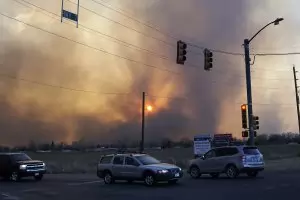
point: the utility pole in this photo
(297, 96)
(249, 91)
(143, 122)
(248, 78)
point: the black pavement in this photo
(268, 186)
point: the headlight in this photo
(23, 166)
(162, 171)
(179, 169)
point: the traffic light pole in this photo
(249, 90)
(143, 122)
(297, 97)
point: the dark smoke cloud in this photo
(32, 112)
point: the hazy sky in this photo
(111, 110)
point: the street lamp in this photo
(248, 78)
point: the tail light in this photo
(243, 158)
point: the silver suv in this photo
(231, 160)
(138, 167)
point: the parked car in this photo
(14, 166)
(231, 160)
(136, 167)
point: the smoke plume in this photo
(39, 71)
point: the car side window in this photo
(106, 159)
(210, 154)
(118, 160)
(131, 161)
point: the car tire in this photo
(195, 172)
(231, 171)
(38, 178)
(108, 178)
(215, 175)
(149, 179)
(15, 176)
(172, 181)
(252, 174)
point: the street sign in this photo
(70, 15)
(202, 144)
(222, 139)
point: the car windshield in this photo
(20, 157)
(147, 160)
(251, 151)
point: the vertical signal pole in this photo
(143, 122)
(77, 13)
(297, 96)
(62, 10)
(249, 91)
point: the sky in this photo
(62, 83)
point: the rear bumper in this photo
(168, 176)
(251, 169)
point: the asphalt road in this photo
(268, 186)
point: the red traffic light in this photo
(244, 107)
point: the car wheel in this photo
(149, 179)
(172, 181)
(215, 175)
(252, 174)
(232, 171)
(15, 176)
(38, 178)
(195, 172)
(108, 179)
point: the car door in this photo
(209, 163)
(117, 166)
(5, 165)
(131, 168)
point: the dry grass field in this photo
(281, 157)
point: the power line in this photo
(112, 93)
(88, 29)
(116, 40)
(164, 33)
(191, 65)
(125, 26)
(83, 44)
(60, 87)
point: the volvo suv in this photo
(231, 160)
(136, 167)
(14, 166)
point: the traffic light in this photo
(244, 115)
(255, 133)
(245, 134)
(181, 52)
(255, 121)
(208, 59)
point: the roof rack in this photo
(123, 151)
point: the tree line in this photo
(262, 139)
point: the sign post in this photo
(69, 15)
(202, 144)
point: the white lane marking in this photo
(84, 183)
(9, 197)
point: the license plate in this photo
(177, 175)
(37, 174)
